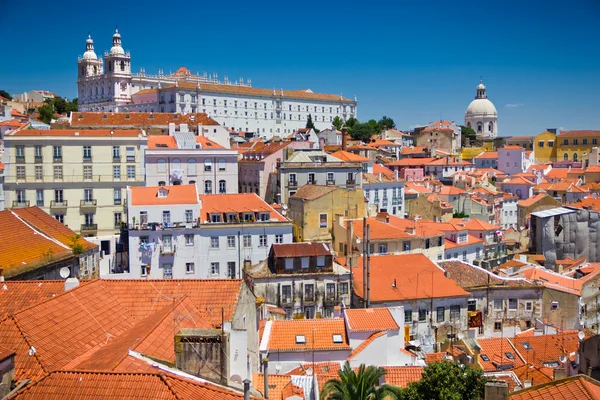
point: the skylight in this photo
(509, 355)
(337, 339)
(527, 346)
(485, 358)
(300, 339)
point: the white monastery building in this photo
(109, 85)
(481, 115)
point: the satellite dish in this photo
(284, 206)
(563, 358)
(581, 335)
(309, 371)
(64, 272)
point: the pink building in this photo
(511, 160)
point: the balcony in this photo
(116, 158)
(38, 159)
(167, 250)
(330, 182)
(87, 159)
(89, 228)
(130, 158)
(20, 204)
(292, 184)
(89, 203)
(329, 299)
(57, 159)
(20, 159)
(308, 298)
(58, 204)
(286, 301)
(350, 182)
(312, 181)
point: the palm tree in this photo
(360, 385)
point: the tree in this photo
(5, 94)
(350, 122)
(360, 385)
(46, 113)
(338, 123)
(447, 381)
(467, 132)
(386, 123)
(374, 126)
(461, 214)
(310, 124)
(362, 131)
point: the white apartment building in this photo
(384, 190)
(316, 167)
(508, 214)
(77, 176)
(183, 158)
(109, 85)
(176, 233)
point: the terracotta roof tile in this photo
(313, 192)
(470, 277)
(402, 376)
(76, 132)
(280, 386)
(301, 249)
(578, 387)
(546, 349)
(17, 295)
(579, 133)
(350, 157)
(488, 155)
(534, 374)
(236, 203)
(411, 162)
(402, 271)
(317, 333)
(552, 280)
(471, 240)
(139, 120)
(498, 351)
(370, 320)
(163, 195)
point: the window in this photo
(407, 316)
(189, 239)
(485, 358)
(39, 173)
(262, 241)
(60, 218)
(117, 196)
(130, 152)
(440, 314)
(309, 292)
(289, 264)
(300, 339)
(498, 304)
(330, 178)
(528, 306)
(406, 245)
(247, 241)
(116, 172)
(39, 197)
(383, 248)
(337, 338)
(565, 157)
(166, 217)
(323, 221)
(541, 144)
(189, 268)
(208, 187)
(472, 305)
(454, 313)
(222, 186)
(38, 153)
(343, 288)
(87, 172)
(305, 261)
(320, 261)
(575, 157)
(575, 142)
(231, 242)
(215, 218)
(207, 165)
(87, 153)
(594, 141)
(88, 195)
(117, 217)
(58, 196)
(214, 268)
(231, 269)
(89, 219)
(161, 166)
(20, 153)
(145, 269)
(58, 172)
(214, 242)
(422, 315)
(189, 216)
(131, 172)
(513, 304)
(57, 151)
(554, 305)
(21, 172)
(498, 326)
(311, 178)
(222, 165)
(279, 238)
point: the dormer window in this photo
(162, 193)
(300, 339)
(215, 218)
(337, 338)
(248, 217)
(289, 264)
(264, 216)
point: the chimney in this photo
(7, 374)
(344, 144)
(247, 263)
(559, 373)
(71, 283)
(496, 390)
(379, 177)
(247, 389)
(396, 174)
(213, 344)
(266, 377)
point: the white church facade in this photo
(481, 115)
(109, 85)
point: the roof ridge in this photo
(163, 378)
(365, 344)
(35, 354)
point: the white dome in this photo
(481, 86)
(117, 51)
(90, 55)
(480, 107)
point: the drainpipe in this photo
(246, 389)
(266, 376)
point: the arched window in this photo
(222, 186)
(95, 70)
(222, 164)
(176, 182)
(122, 65)
(491, 127)
(161, 183)
(176, 163)
(207, 165)
(208, 187)
(192, 182)
(575, 157)
(96, 90)
(191, 167)
(566, 157)
(479, 127)
(160, 165)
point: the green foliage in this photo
(374, 126)
(360, 385)
(461, 214)
(350, 122)
(310, 124)
(76, 244)
(62, 106)
(46, 113)
(362, 131)
(5, 94)
(447, 381)
(467, 132)
(338, 123)
(386, 123)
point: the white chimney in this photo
(396, 174)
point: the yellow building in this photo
(313, 209)
(544, 147)
(574, 145)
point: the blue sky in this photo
(413, 61)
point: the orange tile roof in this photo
(579, 133)
(120, 385)
(408, 150)
(496, 350)
(318, 335)
(76, 132)
(161, 141)
(471, 240)
(350, 157)
(30, 236)
(370, 320)
(402, 376)
(519, 180)
(250, 91)
(236, 203)
(557, 173)
(145, 91)
(411, 162)
(509, 147)
(450, 190)
(552, 280)
(279, 386)
(531, 200)
(11, 122)
(393, 278)
(448, 161)
(383, 170)
(174, 195)
(534, 374)
(384, 143)
(547, 348)
(587, 202)
(17, 295)
(488, 155)
(137, 119)
(473, 224)
(578, 387)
